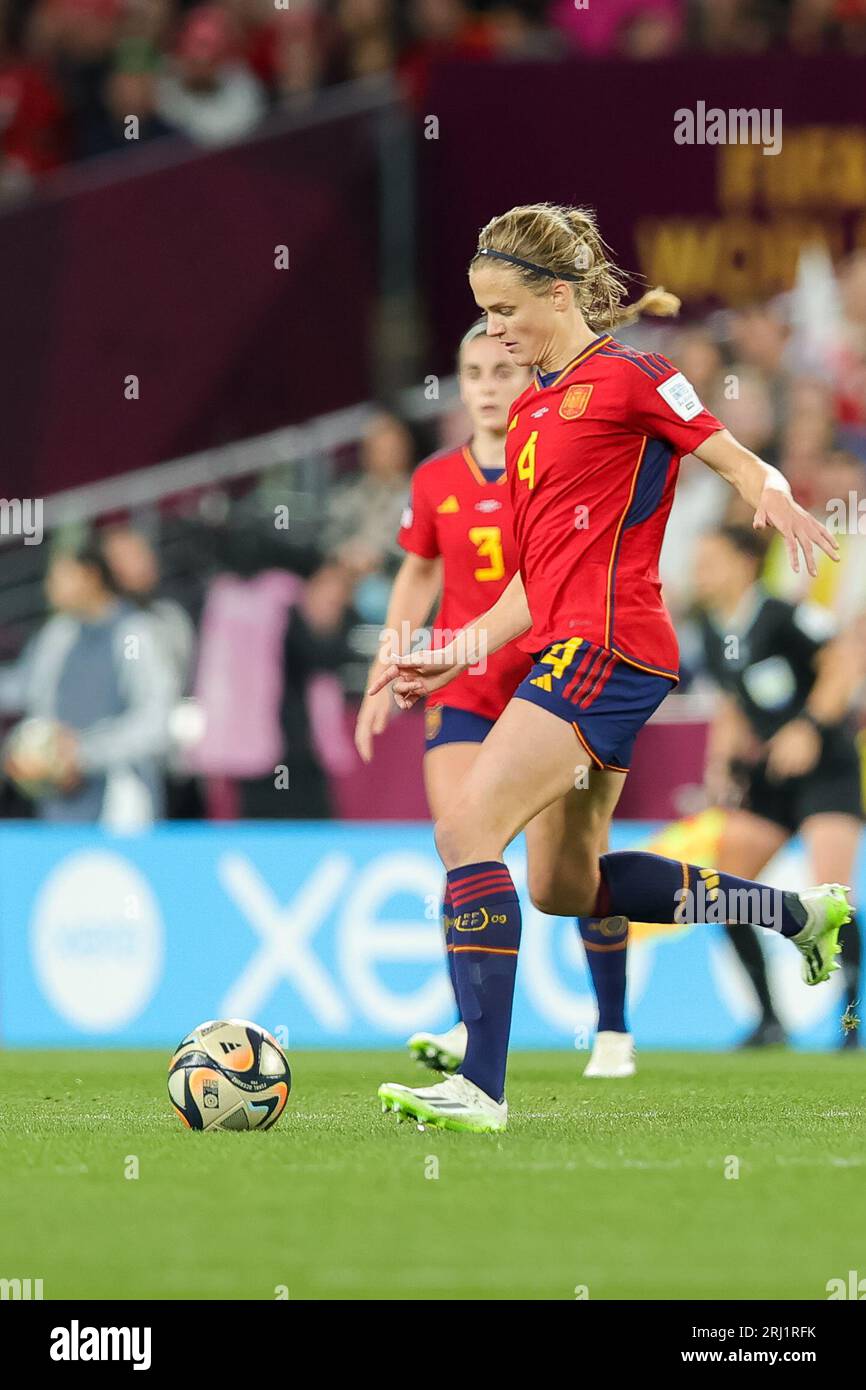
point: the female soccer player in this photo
(782, 750)
(592, 451)
(458, 535)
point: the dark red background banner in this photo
(169, 275)
(602, 133)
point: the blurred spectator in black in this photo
(97, 670)
(78, 37)
(363, 515)
(316, 641)
(31, 118)
(207, 91)
(127, 116)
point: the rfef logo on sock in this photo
(471, 921)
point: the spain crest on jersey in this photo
(575, 401)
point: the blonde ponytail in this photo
(544, 241)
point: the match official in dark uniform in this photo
(781, 754)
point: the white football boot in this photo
(827, 911)
(439, 1051)
(455, 1103)
(612, 1056)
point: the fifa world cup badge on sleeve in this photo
(681, 396)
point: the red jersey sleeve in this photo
(668, 407)
(417, 532)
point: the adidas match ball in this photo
(229, 1075)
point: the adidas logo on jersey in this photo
(449, 505)
(536, 414)
(488, 504)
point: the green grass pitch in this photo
(617, 1187)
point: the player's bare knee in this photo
(559, 897)
(452, 833)
(546, 898)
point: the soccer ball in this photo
(33, 743)
(229, 1075)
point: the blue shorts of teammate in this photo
(445, 725)
(605, 699)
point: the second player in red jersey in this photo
(463, 513)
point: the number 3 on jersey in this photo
(488, 543)
(526, 461)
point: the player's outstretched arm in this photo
(768, 491)
(413, 593)
(419, 674)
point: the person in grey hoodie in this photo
(98, 669)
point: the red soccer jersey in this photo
(454, 512)
(592, 463)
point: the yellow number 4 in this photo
(526, 461)
(561, 655)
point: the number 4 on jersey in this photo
(526, 461)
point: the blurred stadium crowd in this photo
(253, 642)
(273, 642)
(72, 72)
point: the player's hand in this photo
(414, 677)
(793, 751)
(800, 530)
(372, 719)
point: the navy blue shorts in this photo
(445, 725)
(605, 699)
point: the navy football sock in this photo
(485, 937)
(606, 942)
(649, 888)
(447, 914)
